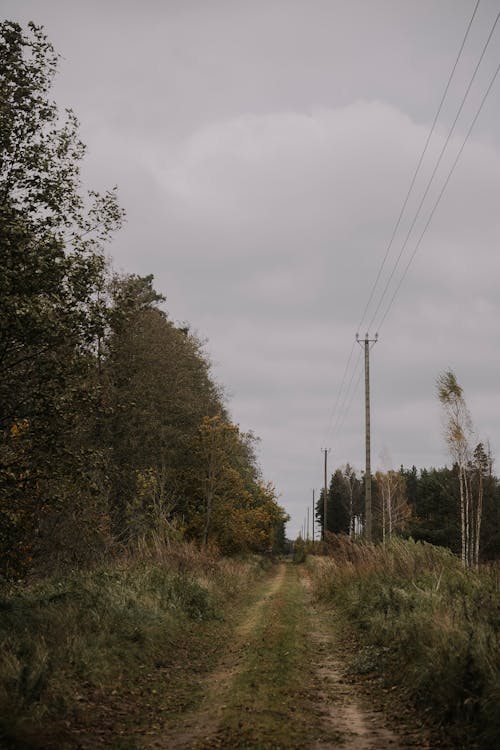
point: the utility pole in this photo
(326, 451)
(313, 520)
(368, 344)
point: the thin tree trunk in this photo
(351, 517)
(462, 517)
(467, 519)
(208, 518)
(209, 496)
(479, 515)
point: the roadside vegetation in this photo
(124, 482)
(112, 426)
(69, 641)
(123, 479)
(426, 624)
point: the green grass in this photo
(99, 630)
(429, 625)
(271, 707)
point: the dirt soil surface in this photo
(282, 680)
(275, 673)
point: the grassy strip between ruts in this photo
(426, 624)
(83, 658)
(271, 706)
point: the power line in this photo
(434, 171)
(417, 169)
(339, 393)
(354, 391)
(342, 405)
(438, 200)
(339, 403)
(347, 393)
(441, 193)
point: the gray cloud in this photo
(262, 150)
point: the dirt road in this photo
(281, 682)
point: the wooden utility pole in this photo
(368, 343)
(326, 451)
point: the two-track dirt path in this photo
(281, 682)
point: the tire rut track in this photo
(202, 723)
(340, 705)
(257, 700)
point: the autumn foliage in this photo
(112, 428)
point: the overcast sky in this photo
(262, 150)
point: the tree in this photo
(458, 434)
(51, 234)
(342, 492)
(394, 508)
(218, 481)
(40, 151)
(433, 495)
(339, 504)
(51, 239)
(239, 511)
(157, 389)
(490, 529)
(353, 487)
(111, 425)
(480, 473)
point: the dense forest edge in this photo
(133, 514)
(421, 504)
(114, 430)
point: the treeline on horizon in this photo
(422, 504)
(113, 429)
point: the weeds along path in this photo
(279, 684)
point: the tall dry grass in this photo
(429, 625)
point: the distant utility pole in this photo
(368, 344)
(326, 451)
(313, 519)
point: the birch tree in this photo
(472, 466)
(395, 509)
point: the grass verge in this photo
(430, 626)
(69, 644)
